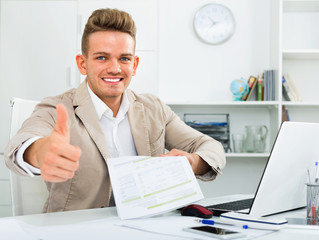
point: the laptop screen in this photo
(282, 186)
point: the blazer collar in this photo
(85, 110)
(138, 123)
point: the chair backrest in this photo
(28, 193)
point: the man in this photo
(69, 138)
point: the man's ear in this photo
(81, 63)
(136, 62)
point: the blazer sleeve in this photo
(40, 123)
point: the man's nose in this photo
(113, 67)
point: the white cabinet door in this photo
(37, 52)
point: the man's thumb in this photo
(61, 125)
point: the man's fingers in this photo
(52, 161)
(60, 163)
(173, 152)
(61, 125)
(58, 168)
(66, 151)
(177, 152)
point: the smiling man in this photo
(109, 64)
(69, 138)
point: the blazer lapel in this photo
(137, 120)
(85, 110)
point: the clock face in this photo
(214, 23)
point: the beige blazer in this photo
(154, 127)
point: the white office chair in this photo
(28, 193)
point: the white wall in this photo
(38, 48)
(190, 70)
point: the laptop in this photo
(282, 186)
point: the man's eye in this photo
(100, 58)
(125, 59)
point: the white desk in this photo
(109, 216)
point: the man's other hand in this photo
(198, 165)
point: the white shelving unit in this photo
(240, 114)
(294, 50)
(300, 56)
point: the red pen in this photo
(314, 213)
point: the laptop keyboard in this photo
(231, 206)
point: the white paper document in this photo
(145, 186)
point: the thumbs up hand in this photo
(61, 127)
(54, 155)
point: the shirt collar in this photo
(101, 108)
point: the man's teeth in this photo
(112, 79)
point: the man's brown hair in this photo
(107, 20)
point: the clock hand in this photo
(212, 21)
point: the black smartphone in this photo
(215, 232)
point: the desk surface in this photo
(78, 218)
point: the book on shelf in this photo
(252, 95)
(265, 86)
(273, 85)
(260, 88)
(269, 85)
(285, 90)
(285, 114)
(289, 87)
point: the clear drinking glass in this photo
(238, 142)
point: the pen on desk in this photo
(213, 222)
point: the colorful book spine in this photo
(260, 89)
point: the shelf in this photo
(300, 5)
(297, 54)
(301, 104)
(228, 104)
(247, 155)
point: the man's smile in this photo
(112, 79)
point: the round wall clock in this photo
(214, 23)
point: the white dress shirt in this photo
(116, 130)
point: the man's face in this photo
(110, 64)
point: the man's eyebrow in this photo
(101, 53)
(107, 54)
(127, 54)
